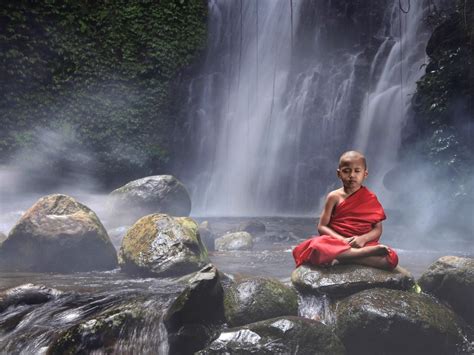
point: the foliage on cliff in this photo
(98, 74)
(444, 102)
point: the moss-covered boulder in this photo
(284, 335)
(255, 299)
(27, 294)
(451, 279)
(102, 332)
(58, 234)
(234, 241)
(196, 315)
(385, 321)
(161, 245)
(343, 280)
(152, 194)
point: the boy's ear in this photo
(338, 172)
(366, 173)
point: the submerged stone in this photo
(253, 227)
(283, 335)
(100, 333)
(58, 234)
(255, 299)
(234, 241)
(161, 245)
(343, 280)
(451, 279)
(27, 294)
(152, 194)
(397, 322)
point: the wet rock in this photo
(255, 299)
(234, 241)
(3, 237)
(343, 280)
(207, 235)
(58, 234)
(195, 316)
(160, 245)
(27, 294)
(253, 227)
(284, 335)
(101, 332)
(396, 322)
(152, 194)
(451, 279)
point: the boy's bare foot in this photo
(381, 250)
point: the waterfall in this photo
(387, 107)
(280, 94)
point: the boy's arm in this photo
(359, 241)
(323, 227)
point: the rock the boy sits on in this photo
(350, 225)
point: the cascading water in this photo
(257, 120)
(285, 88)
(387, 107)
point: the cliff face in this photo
(444, 101)
(86, 85)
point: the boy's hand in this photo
(357, 241)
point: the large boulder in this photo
(451, 279)
(58, 234)
(152, 194)
(284, 335)
(343, 280)
(197, 314)
(161, 245)
(397, 322)
(255, 299)
(234, 241)
(3, 237)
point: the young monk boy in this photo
(350, 225)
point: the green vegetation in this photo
(99, 74)
(444, 102)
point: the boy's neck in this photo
(349, 191)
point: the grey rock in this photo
(397, 322)
(253, 227)
(451, 279)
(283, 335)
(234, 241)
(343, 280)
(152, 194)
(196, 315)
(27, 294)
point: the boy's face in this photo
(352, 172)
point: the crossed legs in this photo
(374, 256)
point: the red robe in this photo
(356, 215)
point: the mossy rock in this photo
(255, 299)
(152, 194)
(101, 332)
(343, 280)
(161, 245)
(58, 234)
(283, 335)
(385, 321)
(451, 279)
(234, 241)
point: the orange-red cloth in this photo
(356, 215)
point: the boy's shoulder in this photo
(336, 195)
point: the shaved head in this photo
(352, 155)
